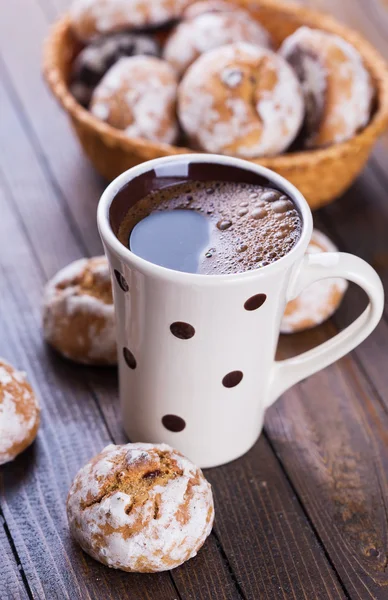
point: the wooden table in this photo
(304, 514)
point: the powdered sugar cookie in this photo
(336, 84)
(138, 95)
(320, 300)
(90, 18)
(140, 507)
(210, 29)
(240, 99)
(78, 312)
(19, 412)
(95, 59)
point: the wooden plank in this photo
(48, 127)
(267, 537)
(11, 583)
(331, 435)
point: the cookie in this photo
(91, 18)
(242, 100)
(19, 412)
(95, 59)
(209, 29)
(78, 312)
(320, 300)
(337, 87)
(138, 96)
(140, 507)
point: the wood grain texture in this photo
(11, 583)
(268, 541)
(338, 433)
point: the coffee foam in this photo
(251, 226)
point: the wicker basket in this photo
(321, 175)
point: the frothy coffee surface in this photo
(212, 228)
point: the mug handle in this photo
(325, 265)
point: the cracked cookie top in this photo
(240, 99)
(140, 507)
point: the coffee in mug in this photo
(212, 227)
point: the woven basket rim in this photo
(113, 137)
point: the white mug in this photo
(205, 392)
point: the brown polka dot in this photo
(254, 302)
(232, 379)
(173, 423)
(129, 358)
(121, 281)
(183, 331)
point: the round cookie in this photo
(91, 18)
(210, 29)
(78, 312)
(336, 85)
(140, 507)
(138, 96)
(95, 59)
(240, 99)
(19, 412)
(320, 300)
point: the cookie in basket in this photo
(320, 300)
(91, 18)
(140, 507)
(241, 99)
(95, 59)
(78, 312)
(138, 96)
(19, 412)
(337, 87)
(209, 29)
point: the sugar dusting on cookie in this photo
(19, 412)
(137, 95)
(211, 30)
(217, 115)
(140, 507)
(78, 312)
(336, 84)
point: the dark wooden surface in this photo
(304, 514)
